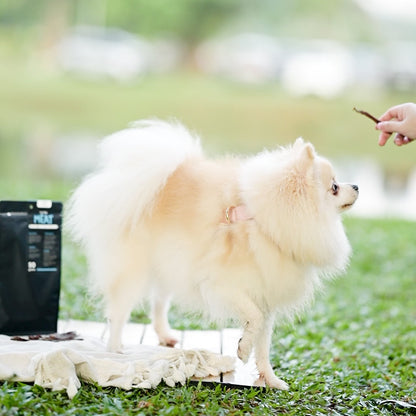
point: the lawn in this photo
(352, 352)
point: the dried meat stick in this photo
(364, 113)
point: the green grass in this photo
(352, 350)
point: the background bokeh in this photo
(243, 74)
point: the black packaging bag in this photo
(30, 266)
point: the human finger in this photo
(400, 140)
(391, 113)
(383, 137)
(407, 140)
(389, 126)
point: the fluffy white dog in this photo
(242, 238)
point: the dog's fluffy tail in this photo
(134, 165)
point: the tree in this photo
(188, 20)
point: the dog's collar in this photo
(237, 213)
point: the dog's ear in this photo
(301, 146)
(306, 153)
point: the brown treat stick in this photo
(19, 338)
(67, 336)
(364, 113)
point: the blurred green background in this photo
(243, 74)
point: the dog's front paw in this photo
(274, 382)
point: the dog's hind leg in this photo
(116, 323)
(160, 308)
(119, 304)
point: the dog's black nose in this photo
(355, 187)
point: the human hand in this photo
(400, 119)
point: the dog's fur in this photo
(151, 219)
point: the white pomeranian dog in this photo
(241, 238)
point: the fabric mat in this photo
(61, 365)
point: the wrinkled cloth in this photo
(61, 366)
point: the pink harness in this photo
(237, 213)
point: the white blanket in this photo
(61, 365)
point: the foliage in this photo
(189, 20)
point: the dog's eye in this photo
(335, 188)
